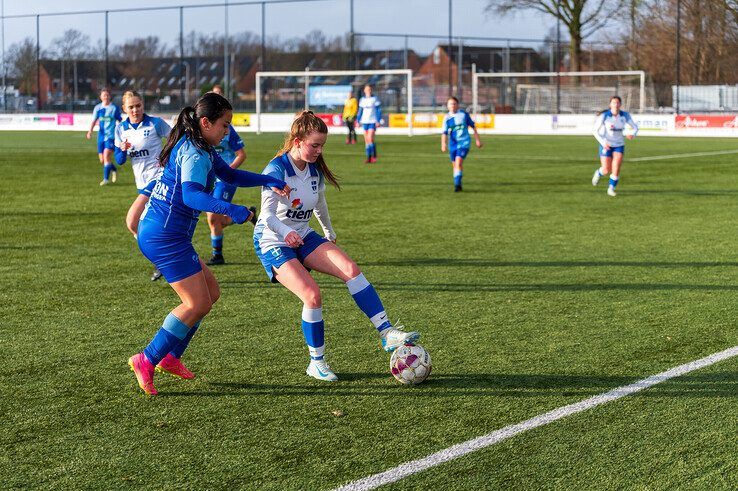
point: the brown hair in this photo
(127, 95)
(211, 106)
(452, 98)
(305, 123)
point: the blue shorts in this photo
(224, 191)
(608, 153)
(105, 144)
(370, 126)
(458, 152)
(274, 258)
(171, 252)
(146, 191)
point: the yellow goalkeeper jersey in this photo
(350, 108)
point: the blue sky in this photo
(285, 20)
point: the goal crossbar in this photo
(476, 76)
(307, 74)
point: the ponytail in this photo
(305, 123)
(211, 106)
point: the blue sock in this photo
(107, 169)
(614, 181)
(217, 242)
(313, 328)
(179, 350)
(169, 335)
(374, 149)
(368, 150)
(457, 177)
(368, 301)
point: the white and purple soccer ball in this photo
(410, 364)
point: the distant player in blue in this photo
(608, 130)
(231, 150)
(168, 223)
(138, 139)
(106, 115)
(289, 248)
(456, 126)
(370, 118)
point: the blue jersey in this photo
(456, 126)
(106, 117)
(187, 163)
(229, 145)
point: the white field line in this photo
(681, 155)
(458, 450)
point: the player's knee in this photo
(214, 294)
(351, 270)
(201, 307)
(311, 297)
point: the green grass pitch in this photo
(532, 290)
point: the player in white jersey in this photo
(608, 130)
(370, 118)
(288, 248)
(139, 138)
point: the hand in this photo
(479, 143)
(293, 239)
(239, 214)
(443, 148)
(607, 147)
(285, 192)
(381, 122)
(126, 145)
(630, 137)
(89, 134)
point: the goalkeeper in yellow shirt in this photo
(350, 109)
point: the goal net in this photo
(324, 92)
(556, 92)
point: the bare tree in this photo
(72, 45)
(581, 18)
(22, 58)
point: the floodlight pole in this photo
(38, 64)
(107, 57)
(351, 35)
(678, 45)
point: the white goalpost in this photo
(552, 92)
(327, 78)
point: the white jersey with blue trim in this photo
(608, 128)
(279, 216)
(368, 110)
(145, 139)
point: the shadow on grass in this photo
(488, 263)
(477, 385)
(511, 287)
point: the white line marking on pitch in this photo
(681, 155)
(458, 450)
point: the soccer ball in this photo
(410, 364)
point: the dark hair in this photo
(611, 98)
(452, 98)
(305, 123)
(211, 106)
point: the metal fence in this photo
(59, 75)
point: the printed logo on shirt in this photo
(297, 204)
(138, 153)
(160, 191)
(314, 184)
(297, 213)
(146, 132)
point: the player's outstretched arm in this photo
(194, 196)
(242, 178)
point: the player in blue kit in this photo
(106, 114)
(139, 138)
(370, 117)
(456, 126)
(168, 223)
(231, 150)
(608, 130)
(288, 248)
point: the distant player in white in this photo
(608, 130)
(288, 248)
(370, 118)
(139, 138)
